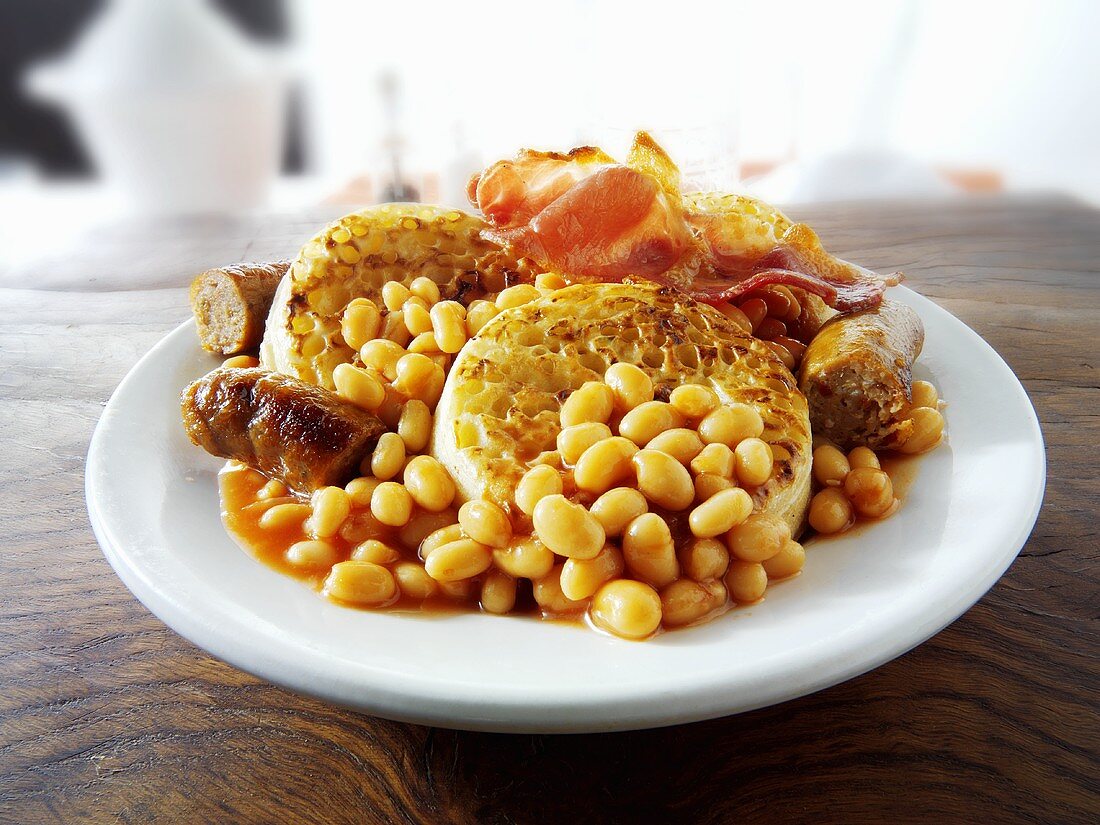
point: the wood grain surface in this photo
(108, 716)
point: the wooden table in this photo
(106, 715)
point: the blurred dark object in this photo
(398, 188)
(31, 30)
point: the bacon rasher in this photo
(589, 218)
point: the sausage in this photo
(230, 305)
(857, 375)
(300, 433)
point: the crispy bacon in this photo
(615, 223)
(512, 192)
(587, 217)
(797, 259)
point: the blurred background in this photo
(118, 112)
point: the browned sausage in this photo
(857, 375)
(285, 428)
(230, 305)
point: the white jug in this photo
(177, 109)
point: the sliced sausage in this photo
(857, 375)
(230, 305)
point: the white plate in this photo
(862, 599)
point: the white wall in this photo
(1010, 85)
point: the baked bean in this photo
(462, 559)
(360, 489)
(663, 479)
(681, 443)
(870, 491)
(573, 441)
(604, 464)
(416, 315)
(423, 524)
(730, 424)
(391, 504)
(627, 608)
(429, 483)
(498, 592)
(830, 466)
(592, 401)
(415, 425)
(331, 506)
(758, 537)
(391, 408)
(449, 325)
(517, 296)
(778, 303)
(238, 362)
(282, 516)
(536, 484)
(360, 582)
(360, 526)
(311, 554)
(685, 601)
(795, 347)
(715, 458)
(484, 521)
(375, 551)
(786, 562)
(567, 528)
(525, 558)
(735, 314)
(794, 308)
(360, 323)
(549, 596)
(551, 458)
(394, 294)
(616, 508)
(479, 314)
(781, 352)
(704, 559)
(382, 355)
(754, 461)
(580, 578)
(358, 386)
(648, 550)
(414, 580)
(746, 581)
(925, 395)
(416, 373)
(425, 344)
(630, 385)
(693, 400)
(394, 328)
(720, 513)
(462, 590)
(710, 484)
(927, 431)
(549, 282)
(830, 511)
(272, 489)
(770, 328)
(439, 537)
(646, 421)
(863, 457)
(425, 289)
(388, 457)
(755, 310)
